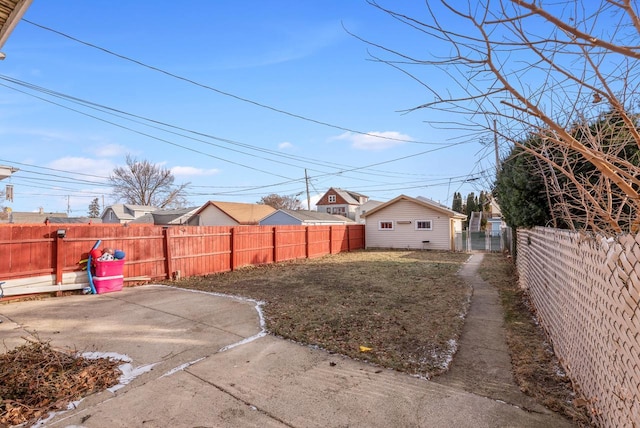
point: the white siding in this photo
(405, 235)
(212, 216)
(110, 216)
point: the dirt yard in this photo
(405, 308)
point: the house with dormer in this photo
(125, 213)
(167, 217)
(341, 202)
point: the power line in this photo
(145, 134)
(345, 169)
(110, 110)
(340, 169)
(221, 92)
(51, 169)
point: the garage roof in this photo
(10, 13)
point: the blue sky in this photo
(235, 97)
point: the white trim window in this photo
(385, 225)
(332, 199)
(424, 225)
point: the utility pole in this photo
(68, 204)
(306, 181)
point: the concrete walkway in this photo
(203, 360)
(482, 364)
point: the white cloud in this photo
(374, 140)
(109, 150)
(191, 171)
(98, 167)
(285, 145)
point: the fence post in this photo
(306, 242)
(275, 244)
(234, 259)
(330, 239)
(60, 258)
(168, 264)
(348, 239)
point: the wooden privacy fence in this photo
(36, 258)
(586, 291)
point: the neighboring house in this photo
(495, 223)
(72, 220)
(341, 202)
(362, 209)
(124, 213)
(171, 217)
(215, 213)
(40, 217)
(303, 218)
(412, 223)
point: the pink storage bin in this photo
(109, 267)
(108, 284)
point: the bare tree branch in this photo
(144, 183)
(542, 69)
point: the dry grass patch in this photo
(536, 369)
(407, 306)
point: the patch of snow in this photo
(448, 356)
(421, 376)
(244, 341)
(182, 367)
(43, 422)
(129, 373)
(114, 356)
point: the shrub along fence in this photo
(586, 291)
(46, 258)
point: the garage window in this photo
(423, 225)
(385, 225)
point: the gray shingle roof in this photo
(31, 218)
(73, 220)
(305, 215)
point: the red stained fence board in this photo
(164, 252)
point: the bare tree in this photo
(528, 68)
(281, 201)
(144, 183)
